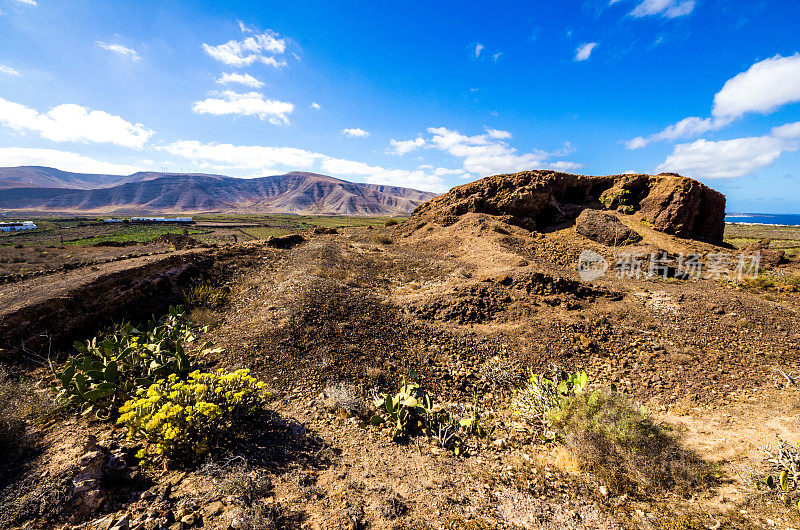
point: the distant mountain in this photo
(48, 177)
(296, 192)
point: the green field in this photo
(86, 231)
(782, 237)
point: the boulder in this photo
(768, 257)
(292, 240)
(537, 199)
(604, 228)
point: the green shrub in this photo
(181, 420)
(105, 373)
(612, 199)
(206, 296)
(541, 396)
(623, 447)
(391, 222)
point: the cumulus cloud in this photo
(247, 104)
(316, 106)
(7, 70)
(119, 49)
(32, 3)
(355, 133)
(584, 51)
(73, 123)
(241, 79)
(261, 47)
(732, 158)
(664, 8)
(764, 87)
(488, 154)
(403, 147)
(250, 157)
(24, 156)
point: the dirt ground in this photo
(365, 307)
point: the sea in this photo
(764, 219)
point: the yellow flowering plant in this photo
(182, 419)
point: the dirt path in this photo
(14, 296)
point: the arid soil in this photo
(447, 298)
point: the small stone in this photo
(603, 491)
(189, 519)
(123, 523)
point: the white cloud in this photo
(584, 51)
(764, 87)
(732, 158)
(496, 56)
(257, 48)
(788, 131)
(254, 160)
(316, 106)
(665, 8)
(487, 154)
(250, 157)
(378, 175)
(478, 49)
(498, 134)
(355, 133)
(403, 147)
(241, 79)
(32, 3)
(247, 104)
(23, 156)
(8, 70)
(686, 128)
(73, 123)
(119, 49)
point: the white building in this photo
(12, 227)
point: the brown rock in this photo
(604, 228)
(535, 199)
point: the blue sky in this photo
(421, 94)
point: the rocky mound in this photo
(604, 228)
(537, 199)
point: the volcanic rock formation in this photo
(537, 199)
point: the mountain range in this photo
(52, 190)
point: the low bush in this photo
(108, 370)
(541, 397)
(344, 398)
(391, 222)
(179, 421)
(383, 240)
(623, 447)
(206, 296)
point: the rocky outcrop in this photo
(604, 228)
(534, 199)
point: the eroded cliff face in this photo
(537, 199)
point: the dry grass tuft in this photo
(624, 448)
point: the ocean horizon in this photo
(763, 219)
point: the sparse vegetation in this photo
(391, 222)
(345, 399)
(205, 296)
(623, 447)
(541, 397)
(181, 420)
(21, 402)
(108, 370)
